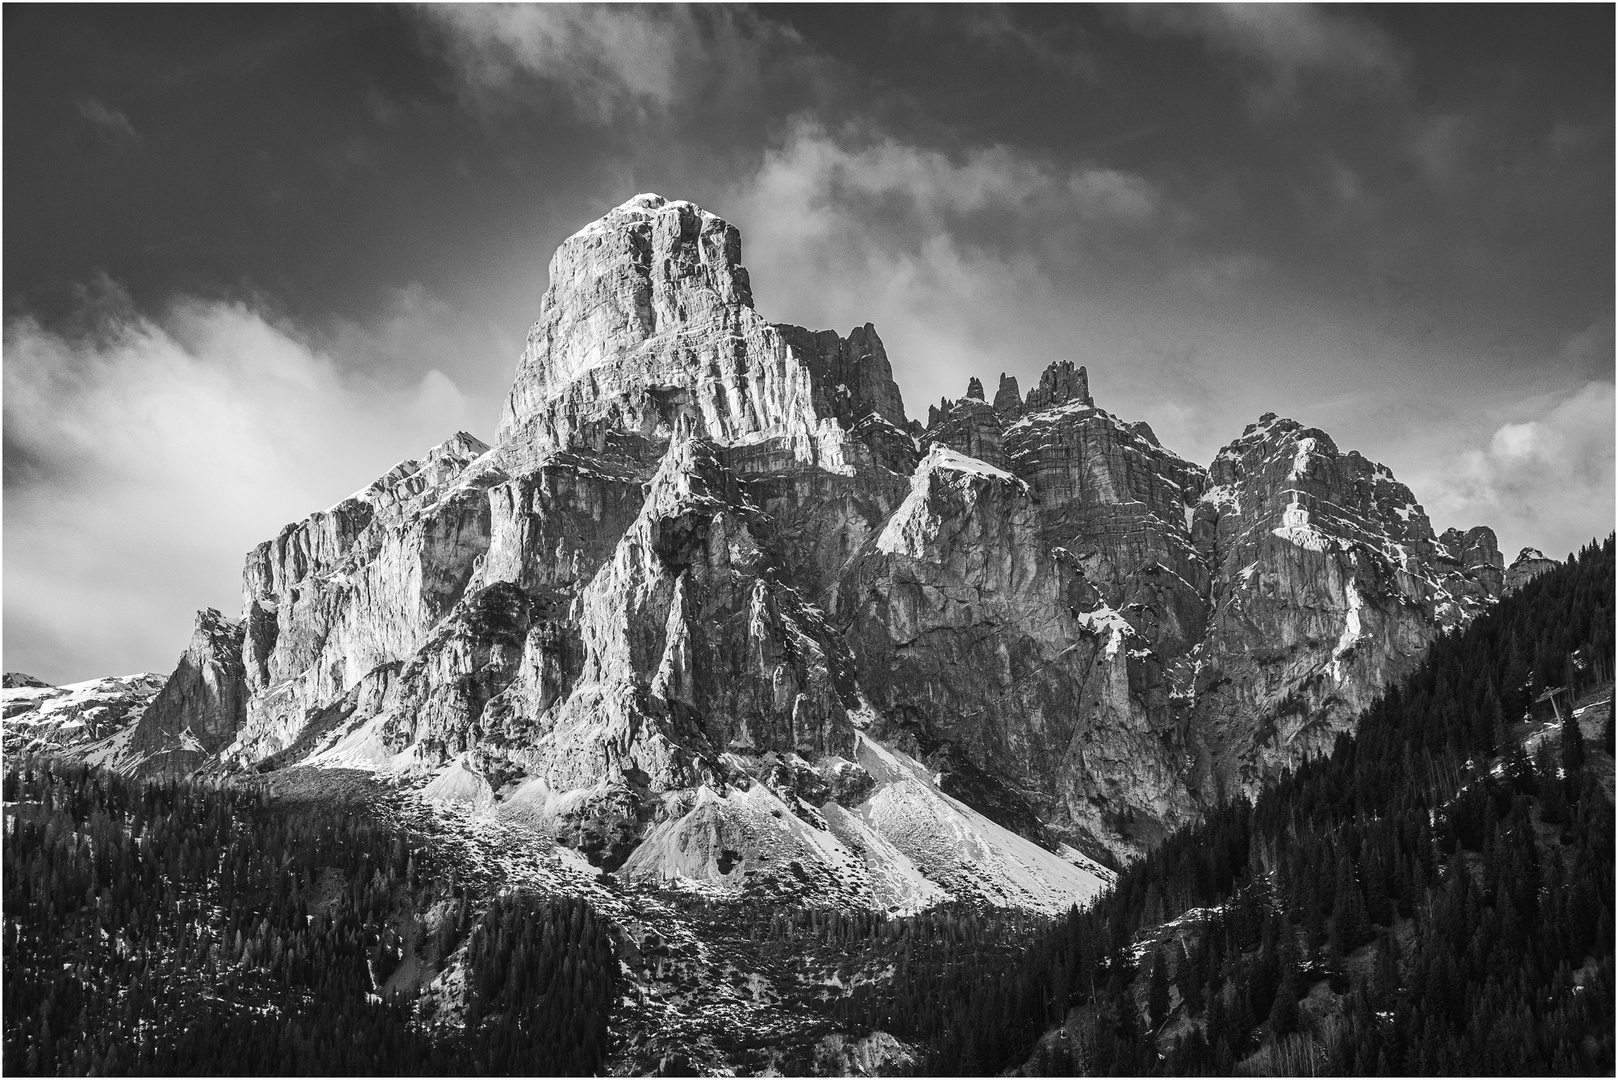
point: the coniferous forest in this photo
(1431, 898)
(180, 928)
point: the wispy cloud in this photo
(1282, 47)
(610, 62)
(109, 123)
(1061, 51)
(146, 455)
(955, 256)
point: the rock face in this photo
(200, 708)
(1327, 583)
(714, 607)
(649, 319)
(17, 680)
(1529, 564)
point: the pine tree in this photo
(1284, 1012)
(1572, 745)
(1157, 996)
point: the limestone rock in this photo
(359, 585)
(649, 319)
(1478, 554)
(966, 629)
(969, 426)
(1061, 383)
(1119, 504)
(200, 708)
(1529, 564)
(1008, 399)
(1327, 584)
(18, 680)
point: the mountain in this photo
(76, 718)
(714, 608)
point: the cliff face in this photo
(649, 320)
(1529, 564)
(714, 607)
(200, 708)
(1327, 583)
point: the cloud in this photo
(1280, 47)
(819, 185)
(110, 124)
(1061, 50)
(1544, 480)
(146, 455)
(976, 262)
(613, 62)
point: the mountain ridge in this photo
(712, 553)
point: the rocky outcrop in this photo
(1118, 503)
(1529, 564)
(359, 585)
(1327, 583)
(1476, 554)
(17, 680)
(200, 708)
(649, 319)
(1060, 384)
(968, 632)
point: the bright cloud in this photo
(969, 263)
(146, 455)
(1543, 481)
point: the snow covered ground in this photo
(51, 718)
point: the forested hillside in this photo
(1428, 899)
(177, 928)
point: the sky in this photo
(255, 255)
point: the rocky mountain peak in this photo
(1007, 398)
(16, 679)
(1060, 383)
(649, 318)
(1529, 564)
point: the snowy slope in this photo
(69, 718)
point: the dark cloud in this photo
(1393, 222)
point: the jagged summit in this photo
(649, 317)
(1529, 564)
